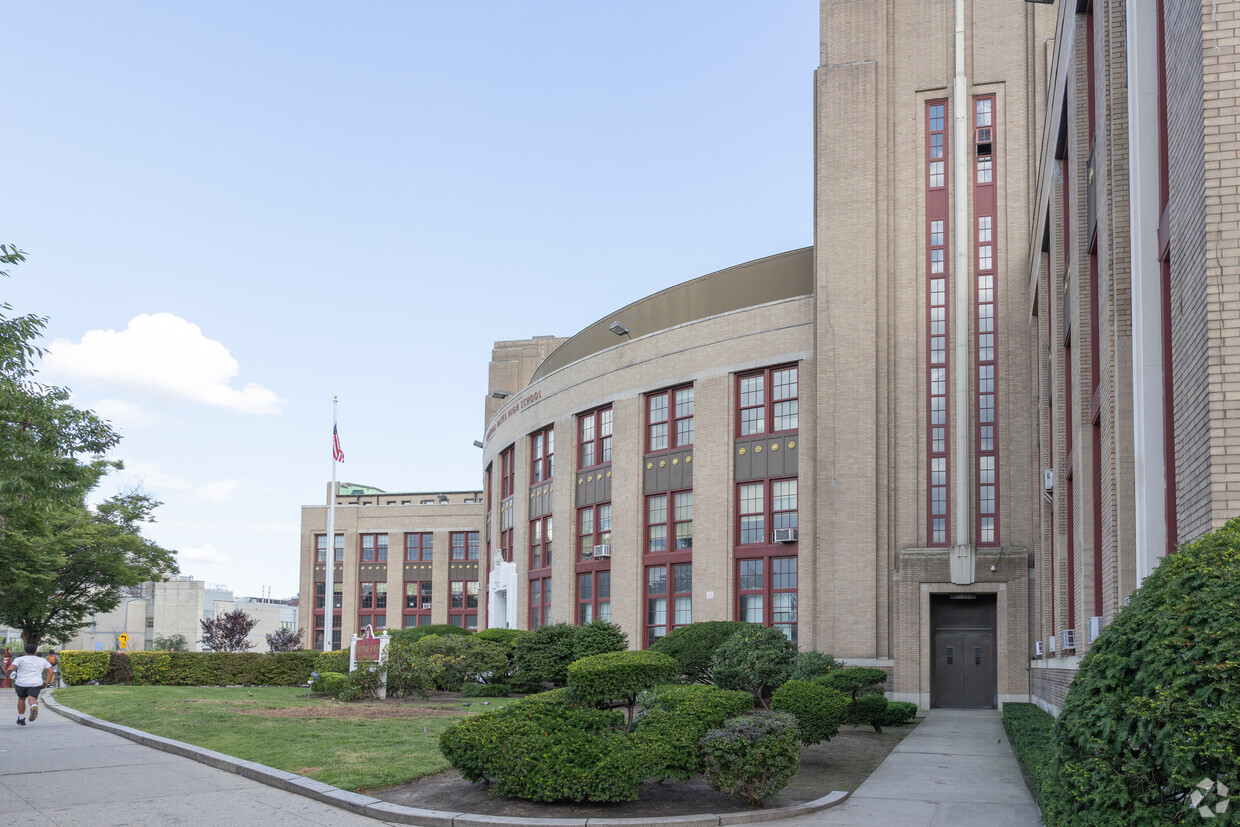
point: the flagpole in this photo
(329, 601)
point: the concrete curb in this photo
(386, 811)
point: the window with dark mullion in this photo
(542, 455)
(669, 419)
(594, 438)
(767, 401)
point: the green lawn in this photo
(349, 745)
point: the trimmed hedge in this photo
(899, 712)
(693, 646)
(818, 710)
(753, 757)
(1032, 733)
(854, 680)
(336, 660)
(1154, 709)
(329, 683)
(413, 634)
(675, 719)
(758, 659)
(618, 676)
(542, 657)
(78, 666)
(548, 747)
(159, 668)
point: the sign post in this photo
(122, 639)
(367, 652)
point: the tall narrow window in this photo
(669, 599)
(937, 380)
(417, 609)
(542, 455)
(985, 240)
(419, 547)
(594, 438)
(463, 603)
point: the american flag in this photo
(337, 451)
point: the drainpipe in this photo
(962, 557)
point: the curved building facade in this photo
(649, 472)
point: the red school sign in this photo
(367, 647)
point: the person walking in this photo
(30, 674)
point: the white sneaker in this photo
(34, 711)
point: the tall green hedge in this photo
(1154, 710)
(188, 668)
(1032, 734)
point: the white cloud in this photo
(218, 491)
(164, 353)
(152, 477)
(123, 414)
(205, 553)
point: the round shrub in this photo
(899, 712)
(752, 757)
(1155, 706)
(448, 659)
(819, 711)
(809, 665)
(693, 646)
(617, 678)
(542, 656)
(509, 636)
(854, 680)
(756, 659)
(548, 747)
(675, 718)
(868, 710)
(329, 683)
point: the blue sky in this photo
(234, 211)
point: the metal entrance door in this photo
(963, 673)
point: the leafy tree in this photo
(61, 559)
(757, 659)
(228, 632)
(89, 554)
(175, 643)
(284, 640)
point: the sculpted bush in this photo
(752, 757)
(1154, 710)
(819, 711)
(693, 646)
(756, 659)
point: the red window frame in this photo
(768, 399)
(320, 546)
(374, 548)
(593, 595)
(669, 419)
(665, 517)
(593, 529)
(985, 326)
(542, 455)
(419, 546)
(421, 599)
(463, 603)
(673, 586)
(938, 329)
(769, 576)
(464, 545)
(773, 517)
(594, 432)
(540, 601)
(507, 478)
(540, 543)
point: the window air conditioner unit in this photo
(1069, 639)
(602, 551)
(1050, 644)
(1048, 479)
(1037, 648)
(784, 535)
(1093, 628)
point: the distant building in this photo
(176, 607)
(402, 559)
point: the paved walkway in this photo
(955, 769)
(57, 772)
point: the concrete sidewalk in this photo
(57, 772)
(956, 768)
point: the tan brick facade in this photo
(1078, 228)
